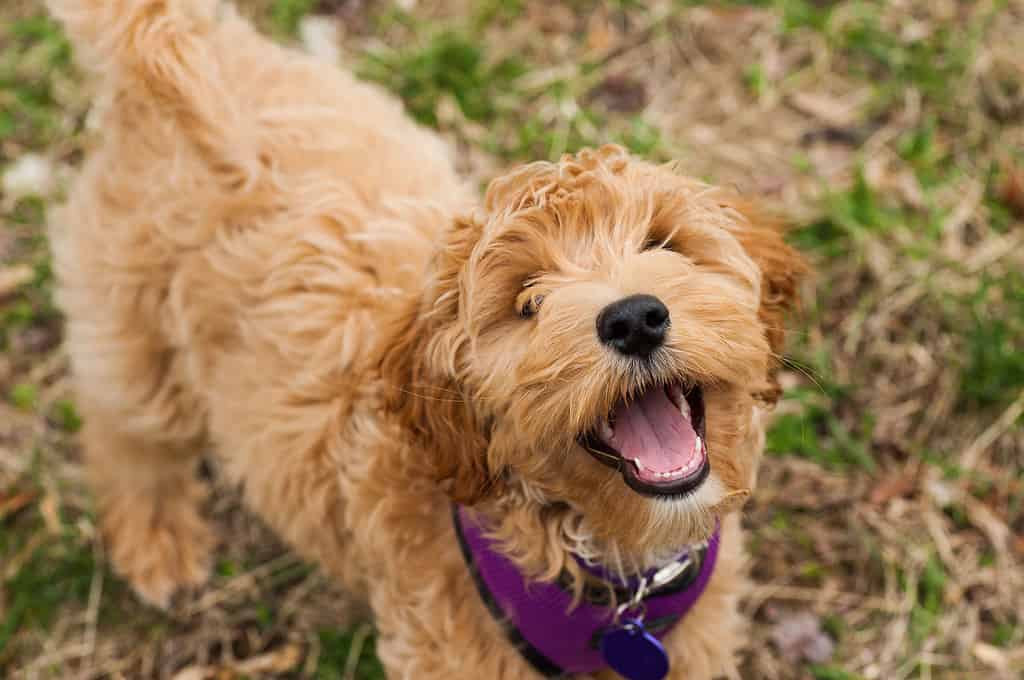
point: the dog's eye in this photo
(529, 299)
(531, 306)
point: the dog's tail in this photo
(172, 53)
(149, 37)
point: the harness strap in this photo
(538, 618)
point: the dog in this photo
(416, 388)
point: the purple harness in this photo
(558, 640)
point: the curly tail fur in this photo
(154, 36)
(171, 54)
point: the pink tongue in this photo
(653, 430)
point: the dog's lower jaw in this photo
(663, 527)
(543, 533)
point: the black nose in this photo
(635, 326)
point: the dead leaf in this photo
(14, 564)
(799, 636)
(1011, 189)
(49, 508)
(10, 504)
(13, 278)
(985, 519)
(352, 14)
(280, 660)
(277, 662)
(194, 673)
(622, 93)
(1002, 89)
(896, 486)
(36, 339)
(992, 657)
(551, 17)
(834, 112)
(601, 35)
(909, 188)
(942, 493)
(7, 241)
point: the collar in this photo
(556, 638)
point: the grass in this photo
(347, 653)
(891, 504)
(832, 673)
(449, 64)
(993, 370)
(285, 15)
(814, 432)
(33, 52)
(54, 573)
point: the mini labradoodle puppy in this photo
(521, 427)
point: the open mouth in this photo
(656, 440)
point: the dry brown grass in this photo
(892, 132)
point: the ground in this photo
(887, 533)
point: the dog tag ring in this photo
(633, 653)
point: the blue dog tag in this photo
(634, 653)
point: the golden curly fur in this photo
(267, 256)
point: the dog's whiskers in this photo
(456, 396)
(595, 452)
(806, 371)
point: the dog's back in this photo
(226, 161)
(223, 259)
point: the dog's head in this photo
(597, 335)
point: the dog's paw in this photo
(160, 550)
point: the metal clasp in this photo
(636, 603)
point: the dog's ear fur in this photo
(421, 369)
(536, 184)
(782, 269)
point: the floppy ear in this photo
(421, 367)
(782, 270)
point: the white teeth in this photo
(696, 460)
(674, 474)
(684, 407)
(676, 394)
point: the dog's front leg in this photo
(704, 644)
(444, 633)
